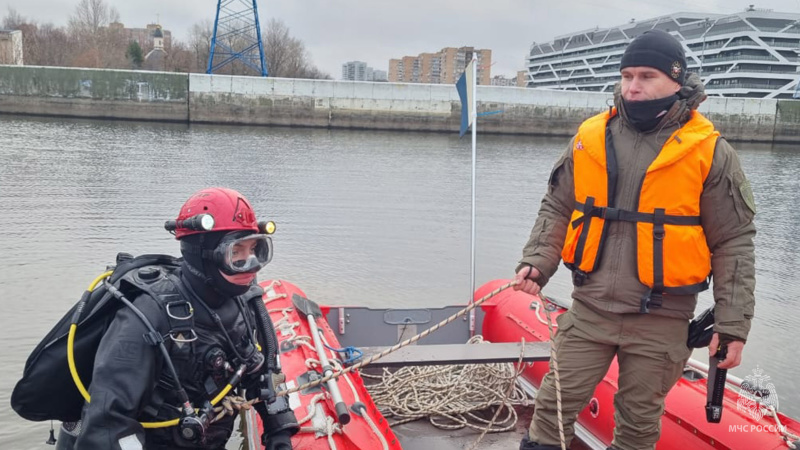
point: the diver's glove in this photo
(277, 441)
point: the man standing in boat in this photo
(646, 203)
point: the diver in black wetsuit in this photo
(211, 318)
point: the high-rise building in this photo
(11, 47)
(522, 78)
(442, 67)
(360, 71)
(754, 53)
(379, 75)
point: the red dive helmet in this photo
(228, 211)
(221, 209)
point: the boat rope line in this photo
(321, 423)
(396, 347)
(285, 324)
(784, 432)
(450, 397)
(498, 381)
(554, 360)
(511, 386)
(536, 306)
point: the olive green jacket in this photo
(727, 210)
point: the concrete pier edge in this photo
(238, 100)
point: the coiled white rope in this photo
(451, 396)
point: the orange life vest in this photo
(672, 253)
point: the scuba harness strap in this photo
(179, 314)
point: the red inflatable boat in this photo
(322, 426)
(507, 317)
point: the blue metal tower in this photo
(237, 36)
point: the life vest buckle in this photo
(649, 300)
(579, 277)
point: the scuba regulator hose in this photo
(187, 410)
(268, 331)
(73, 327)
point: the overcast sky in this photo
(336, 31)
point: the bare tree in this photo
(286, 55)
(180, 57)
(13, 20)
(90, 16)
(47, 45)
(97, 44)
(200, 44)
(43, 45)
(55, 47)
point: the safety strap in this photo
(589, 211)
(579, 276)
(658, 250)
(652, 298)
(584, 234)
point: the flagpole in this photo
(474, 120)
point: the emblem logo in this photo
(757, 393)
(579, 145)
(676, 70)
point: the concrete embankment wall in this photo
(393, 106)
(200, 98)
(95, 93)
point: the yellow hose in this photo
(71, 344)
(79, 384)
(221, 395)
(99, 279)
(71, 360)
(165, 424)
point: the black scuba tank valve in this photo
(215, 359)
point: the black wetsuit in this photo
(130, 383)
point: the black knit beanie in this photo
(659, 50)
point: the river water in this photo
(378, 219)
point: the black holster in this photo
(701, 329)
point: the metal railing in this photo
(787, 70)
(713, 59)
(771, 87)
(783, 44)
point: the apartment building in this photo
(442, 67)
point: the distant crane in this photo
(237, 36)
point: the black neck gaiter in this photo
(204, 275)
(645, 115)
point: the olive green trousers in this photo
(651, 352)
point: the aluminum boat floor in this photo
(421, 435)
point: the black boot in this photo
(526, 444)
